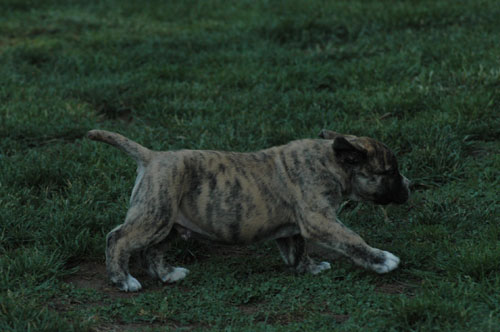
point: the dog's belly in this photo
(189, 229)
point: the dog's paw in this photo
(130, 285)
(317, 268)
(177, 273)
(390, 263)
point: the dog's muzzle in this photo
(398, 194)
(404, 193)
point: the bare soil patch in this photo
(92, 275)
(395, 288)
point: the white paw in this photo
(177, 274)
(320, 267)
(131, 284)
(390, 263)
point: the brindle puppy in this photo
(287, 193)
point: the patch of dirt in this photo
(396, 288)
(249, 309)
(92, 275)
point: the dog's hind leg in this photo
(155, 262)
(293, 251)
(144, 226)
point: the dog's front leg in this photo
(332, 234)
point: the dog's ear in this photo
(327, 134)
(347, 153)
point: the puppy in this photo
(287, 193)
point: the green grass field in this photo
(421, 76)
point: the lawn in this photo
(421, 76)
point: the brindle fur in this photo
(288, 193)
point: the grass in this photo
(423, 77)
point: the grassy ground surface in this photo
(421, 76)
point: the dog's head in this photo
(373, 168)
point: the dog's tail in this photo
(141, 154)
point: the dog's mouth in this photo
(394, 200)
(399, 197)
(382, 200)
(401, 193)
